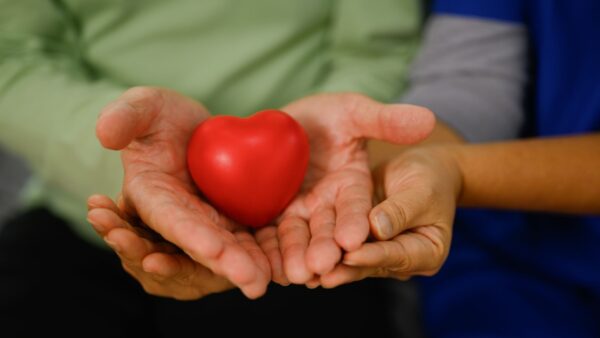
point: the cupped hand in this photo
(330, 214)
(160, 267)
(413, 224)
(151, 127)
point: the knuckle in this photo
(157, 278)
(188, 279)
(399, 215)
(430, 192)
(439, 254)
(382, 272)
(400, 261)
(291, 229)
(403, 264)
(438, 260)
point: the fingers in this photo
(343, 274)
(130, 247)
(168, 265)
(177, 276)
(135, 114)
(190, 230)
(323, 253)
(104, 220)
(314, 283)
(162, 272)
(171, 213)
(396, 123)
(102, 201)
(352, 205)
(257, 287)
(237, 265)
(269, 243)
(231, 259)
(420, 252)
(128, 117)
(294, 237)
(156, 266)
(104, 215)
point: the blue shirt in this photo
(540, 258)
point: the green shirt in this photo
(61, 61)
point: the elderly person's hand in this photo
(151, 127)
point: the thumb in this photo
(129, 117)
(395, 123)
(396, 214)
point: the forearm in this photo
(49, 101)
(553, 174)
(49, 118)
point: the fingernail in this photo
(112, 244)
(383, 225)
(97, 227)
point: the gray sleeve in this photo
(472, 74)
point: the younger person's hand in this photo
(413, 224)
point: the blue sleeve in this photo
(502, 10)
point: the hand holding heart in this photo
(152, 128)
(249, 166)
(330, 214)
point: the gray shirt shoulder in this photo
(472, 73)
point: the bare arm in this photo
(554, 174)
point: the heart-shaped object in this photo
(249, 168)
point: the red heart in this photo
(250, 169)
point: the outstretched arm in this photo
(424, 185)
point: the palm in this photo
(335, 162)
(337, 174)
(156, 170)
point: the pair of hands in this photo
(177, 245)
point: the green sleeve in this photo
(372, 44)
(49, 103)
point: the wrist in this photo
(450, 158)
